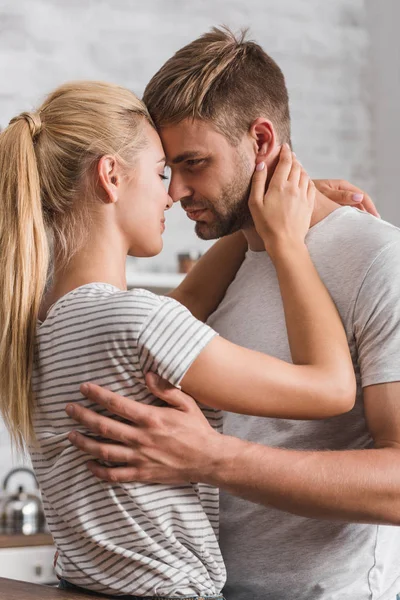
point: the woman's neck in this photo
(99, 260)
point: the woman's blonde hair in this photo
(48, 163)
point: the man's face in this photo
(209, 176)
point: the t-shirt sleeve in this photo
(377, 319)
(170, 339)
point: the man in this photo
(308, 509)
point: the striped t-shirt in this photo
(120, 538)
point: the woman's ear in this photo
(263, 133)
(109, 177)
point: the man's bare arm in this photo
(176, 444)
(350, 485)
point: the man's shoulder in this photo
(354, 238)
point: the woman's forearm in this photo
(315, 330)
(205, 285)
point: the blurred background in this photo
(341, 60)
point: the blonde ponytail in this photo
(24, 258)
(48, 183)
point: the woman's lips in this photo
(162, 226)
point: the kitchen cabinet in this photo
(19, 590)
(27, 558)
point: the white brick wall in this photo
(322, 47)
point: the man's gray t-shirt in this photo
(270, 554)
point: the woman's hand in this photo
(282, 215)
(346, 194)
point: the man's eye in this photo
(192, 162)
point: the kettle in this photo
(21, 512)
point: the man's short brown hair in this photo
(224, 79)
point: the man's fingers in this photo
(113, 453)
(102, 426)
(113, 474)
(118, 405)
(167, 392)
(129, 474)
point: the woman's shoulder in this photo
(98, 304)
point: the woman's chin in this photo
(147, 251)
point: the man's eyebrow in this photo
(163, 159)
(185, 156)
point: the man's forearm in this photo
(352, 485)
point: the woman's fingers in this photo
(311, 193)
(304, 181)
(283, 168)
(258, 182)
(295, 171)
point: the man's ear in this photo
(263, 134)
(109, 177)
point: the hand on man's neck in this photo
(323, 207)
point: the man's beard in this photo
(230, 211)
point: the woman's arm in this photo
(321, 383)
(205, 285)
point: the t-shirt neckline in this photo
(84, 285)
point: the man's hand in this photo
(160, 444)
(344, 193)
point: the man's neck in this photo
(323, 207)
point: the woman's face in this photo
(143, 198)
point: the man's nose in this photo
(178, 189)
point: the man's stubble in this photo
(231, 210)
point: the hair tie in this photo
(34, 121)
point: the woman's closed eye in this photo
(166, 174)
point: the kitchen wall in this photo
(323, 48)
(383, 19)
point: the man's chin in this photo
(205, 231)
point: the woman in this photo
(81, 188)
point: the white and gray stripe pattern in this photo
(139, 539)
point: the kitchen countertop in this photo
(17, 540)
(10, 589)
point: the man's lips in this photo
(195, 215)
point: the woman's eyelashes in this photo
(166, 174)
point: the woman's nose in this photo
(170, 203)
